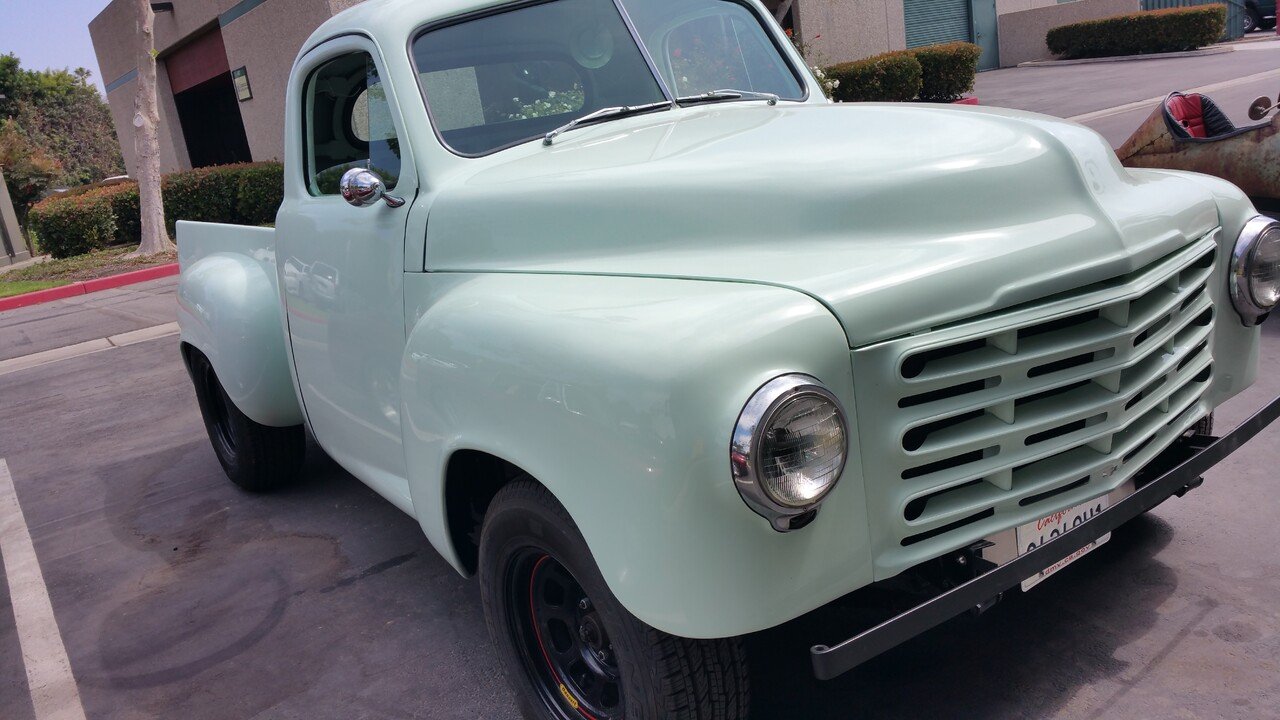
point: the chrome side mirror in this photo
(362, 188)
(1260, 108)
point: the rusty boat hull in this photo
(1249, 157)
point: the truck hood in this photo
(897, 217)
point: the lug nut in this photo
(584, 604)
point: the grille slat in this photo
(1043, 414)
(1051, 471)
(1097, 334)
(1009, 416)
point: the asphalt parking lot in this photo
(178, 596)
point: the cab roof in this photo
(393, 19)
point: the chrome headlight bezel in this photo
(744, 452)
(1242, 258)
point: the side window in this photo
(349, 124)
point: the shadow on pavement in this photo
(1046, 645)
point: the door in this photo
(986, 33)
(343, 266)
(211, 124)
(929, 22)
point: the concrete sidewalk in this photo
(61, 323)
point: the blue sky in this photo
(50, 33)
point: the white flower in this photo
(551, 94)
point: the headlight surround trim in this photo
(1242, 258)
(755, 419)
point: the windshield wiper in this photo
(718, 95)
(601, 114)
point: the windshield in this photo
(705, 45)
(503, 79)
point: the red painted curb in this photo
(82, 288)
(41, 296)
(966, 101)
(131, 278)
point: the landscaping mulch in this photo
(90, 266)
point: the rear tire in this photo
(256, 457)
(570, 650)
(1252, 20)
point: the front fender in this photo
(229, 309)
(620, 395)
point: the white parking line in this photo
(53, 688)
(85, 348)
(1140, 104)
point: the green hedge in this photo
(73, 226)
(122, 200)
(1153, 31)
(891, 76)
(934, 73)
(244, 194)
(260, 192)
(948, 70)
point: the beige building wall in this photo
(1022, 34)
(173, 147)
(1008, 6)
(841, 30)
(836, 31)
(265, 41)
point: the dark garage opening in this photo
(211, 124)
(205, 96)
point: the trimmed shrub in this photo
(947, 70)
(72, 226)
(93, 216)
(1152, 31)
(204, 195)
(122, 198)
(82, 189)
(891, 76)
(260, 192)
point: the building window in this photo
(349, 124)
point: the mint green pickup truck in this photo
(667, 349)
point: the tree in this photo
(28, 169)
(146, 138)
(61, 113)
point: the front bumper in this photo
(1173, 472)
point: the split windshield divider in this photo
(644, 52)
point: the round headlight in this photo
(789, 448)
(1255, 270)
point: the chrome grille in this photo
(1002, 419)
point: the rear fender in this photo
(229, 310)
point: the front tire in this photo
(571, 651)
(256, 457)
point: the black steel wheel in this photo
(563, 639)
(571, 651)
(254, 456)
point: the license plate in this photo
(1034, 534)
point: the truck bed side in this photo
(229, 309)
